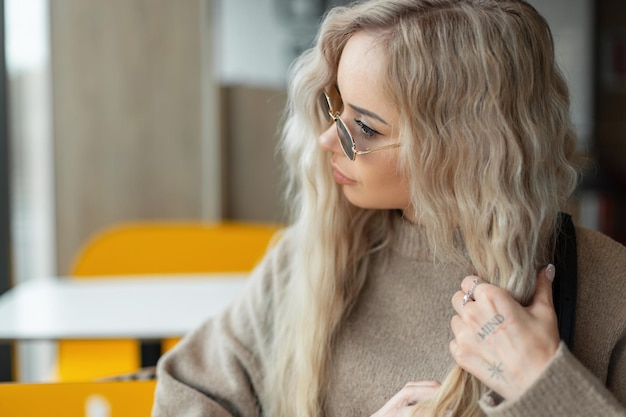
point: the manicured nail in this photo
(550, 271)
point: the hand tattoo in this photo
(490, 326)
(496, 371)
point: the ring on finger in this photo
(469, 295)
(475, 283)
(466, 298)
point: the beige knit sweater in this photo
(399, 332)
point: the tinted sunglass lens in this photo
(324, 108)
(344, 139)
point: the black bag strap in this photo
(564, 284)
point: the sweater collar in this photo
(410, 240)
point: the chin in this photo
(369, 202)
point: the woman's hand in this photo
(501, 343)
(402, 403)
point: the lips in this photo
(340, 177)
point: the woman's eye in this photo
(365, 129)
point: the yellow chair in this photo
(84, 399)
(155, 248)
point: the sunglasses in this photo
(346, 140)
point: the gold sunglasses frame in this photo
(351, 152)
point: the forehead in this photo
(361, 65)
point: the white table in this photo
(130, 307)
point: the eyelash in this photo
(365, 129)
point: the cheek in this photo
(385, 187)
(396, 187)
(388, 172)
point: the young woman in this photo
(430, 150)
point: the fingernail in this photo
(550, 271)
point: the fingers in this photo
(425, 384)
(462, 357)
(412, 393)
(543, 292)
(499, 341)
(471, 287)
(471, 282)
(474, 288)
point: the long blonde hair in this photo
(489, 151)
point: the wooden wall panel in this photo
(127, 114)
(253, 177)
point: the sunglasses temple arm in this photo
(367, 151)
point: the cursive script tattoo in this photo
(490, 326)
(496, 371)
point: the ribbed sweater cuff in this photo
(565, 388)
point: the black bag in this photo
(564, 284)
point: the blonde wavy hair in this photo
(487, 145)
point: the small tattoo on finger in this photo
(491, 326)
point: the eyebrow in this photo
(368, 113)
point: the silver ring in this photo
(466, 298)
(475, 283)
(470, 293)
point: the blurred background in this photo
(124, 110)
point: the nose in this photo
(328, 139)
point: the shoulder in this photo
(601, 256)
(600, 299)
(270, 276)
(279, 254)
